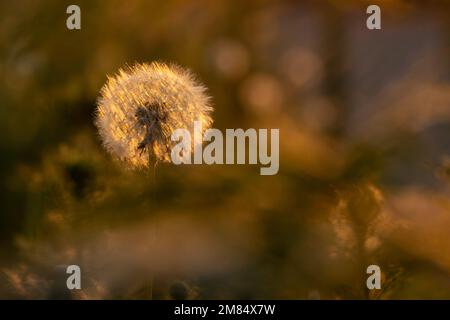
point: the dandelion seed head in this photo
(141, 106)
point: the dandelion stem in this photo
(152, 164)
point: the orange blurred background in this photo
(364, 119)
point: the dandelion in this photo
(141, 106)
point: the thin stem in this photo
(152, 162)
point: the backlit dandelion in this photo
(141, 106)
